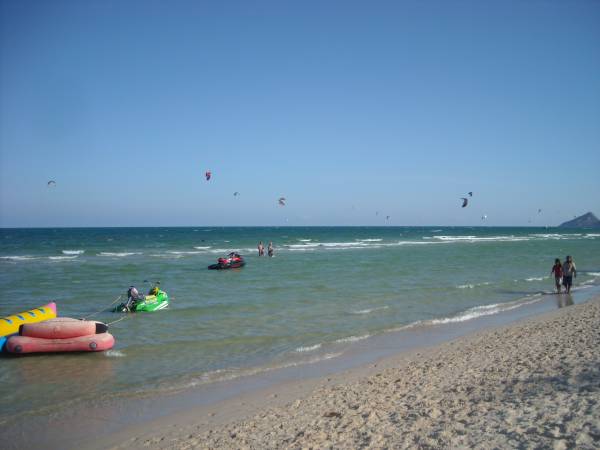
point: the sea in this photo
(325, 290)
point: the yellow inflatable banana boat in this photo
(11, 324)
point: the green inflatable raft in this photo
(149, 303)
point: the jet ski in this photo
(155, 300)
(233, 261)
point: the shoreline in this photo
(112, 422)
(246, 419)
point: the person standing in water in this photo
(261, 249)
(270, 249)
(569, 272)
(558, 274)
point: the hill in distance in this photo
(588, 220)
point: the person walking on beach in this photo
(558, 274)
(270, 249)
(261, 249)
(569, 272)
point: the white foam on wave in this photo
(356, 245)
(305, 240)
(474, 239)
(19, 258)
(114, 354)
(220, 250)
(593, 274)
(301, 246)
(232, 374)
(350, 247)
(184, 252)
(118, 254)
(484, 310)
(62, 258)
(309, 348)
(555, 236)
(229, 250)
(592, 235)
(400, 243)
(73, 252)
(343, 244)
(166, 255)
(535, 279)
(370, 310)
(352, 339)
(202, 248)
(473, 285)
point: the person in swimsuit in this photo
(261, 249)
(558, 274)
(569, 272)
(270, 249)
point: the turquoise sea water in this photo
(325, 289)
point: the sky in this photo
(353, 111)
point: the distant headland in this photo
(588, 220)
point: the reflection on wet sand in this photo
(563, 300)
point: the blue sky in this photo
(345, 108)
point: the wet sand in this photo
(535, 383)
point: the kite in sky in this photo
(208, 174)
(465, 202)
(281, 201)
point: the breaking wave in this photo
(309, 348)
(370, 310)
(535, 278)
(18, 258)
(480, 311)
(472, 286)
(352, 338)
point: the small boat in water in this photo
(154, 301)
(233, 261)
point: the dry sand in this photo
(533, 384)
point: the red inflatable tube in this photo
(62, 328)
(91, 343)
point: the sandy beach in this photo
(534, 384)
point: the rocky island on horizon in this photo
(588, 220)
